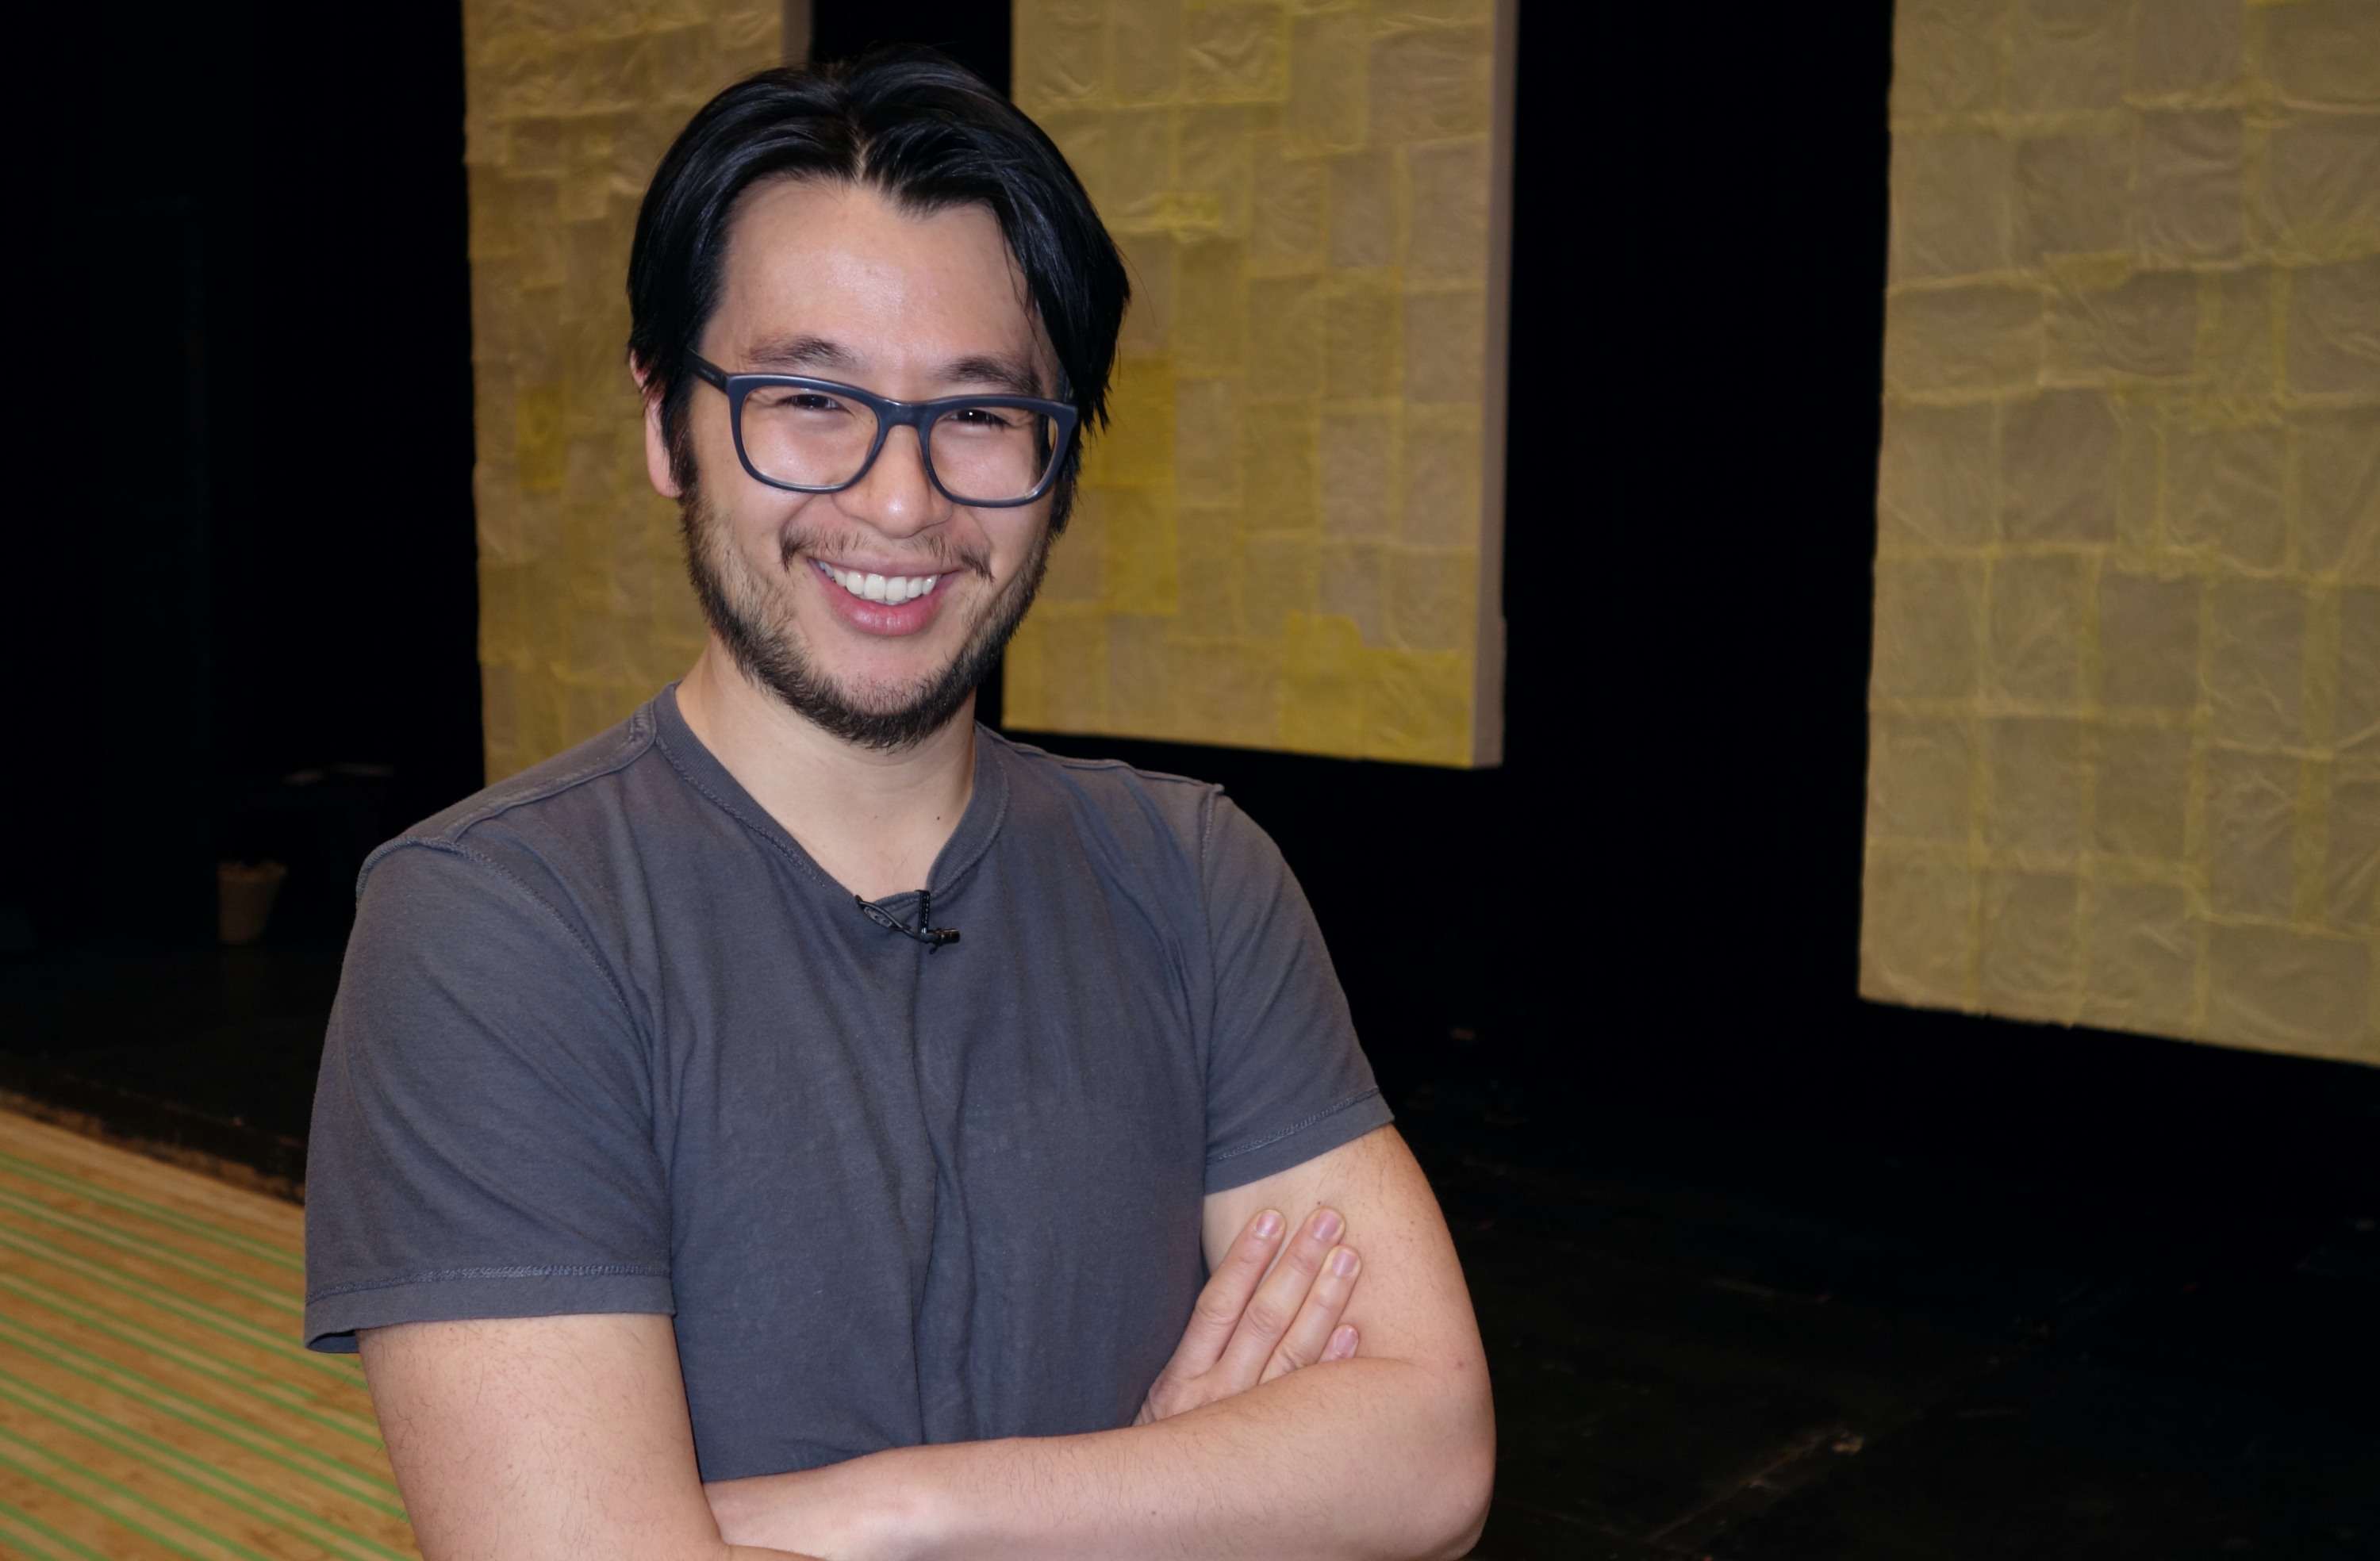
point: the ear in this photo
(657, 450)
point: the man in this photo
(799, 1121)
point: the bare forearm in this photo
(1363, 1458)
(1386, 1457)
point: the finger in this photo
(1270, 1310)
(1342, 1343)
(1316, 1322)
(1224, 1298)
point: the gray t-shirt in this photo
(608, 1040)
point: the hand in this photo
(1250, 1327)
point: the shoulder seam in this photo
(636, 743)
(521, 887)
(1068, 761)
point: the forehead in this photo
(840, 261)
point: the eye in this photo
(988, 418)
(789, 398)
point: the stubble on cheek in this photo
(752, 612)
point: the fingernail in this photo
(1268, 1223)
(1342, 1344)
(1327, 1225)
(1344, 1263)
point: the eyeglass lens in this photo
(813, 439)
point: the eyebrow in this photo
(808, 353)
(1006, 373)
(791, 354)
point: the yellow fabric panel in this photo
(2125, 715)
(583, 606)
(1288, 537)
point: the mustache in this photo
(939, 557)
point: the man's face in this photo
(831, 280)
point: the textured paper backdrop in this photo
(2125, 729)
(1291, 536)
(584, 608)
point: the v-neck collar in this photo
(987, 805)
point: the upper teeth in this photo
(882, 587)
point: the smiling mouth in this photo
(891, 590)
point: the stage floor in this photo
(1710, 1341)
(1709, 1344)
(154, 1398)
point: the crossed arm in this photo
(533, 1438)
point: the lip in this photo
(884, 619)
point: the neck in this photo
(874, 821)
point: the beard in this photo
(752, 615)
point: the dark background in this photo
(241, 423)
(1765, 1272)
(242, 550)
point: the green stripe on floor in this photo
(155, 1398)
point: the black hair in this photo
(925, 131)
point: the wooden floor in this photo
(154, 1398)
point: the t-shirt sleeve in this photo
(482, 1142)
(1286, 1079)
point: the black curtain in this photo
(243, 416)
(242, 545)
(1651, 911)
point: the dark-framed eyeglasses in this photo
(815, 436)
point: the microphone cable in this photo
(924, 932)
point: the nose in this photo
(894, 496)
